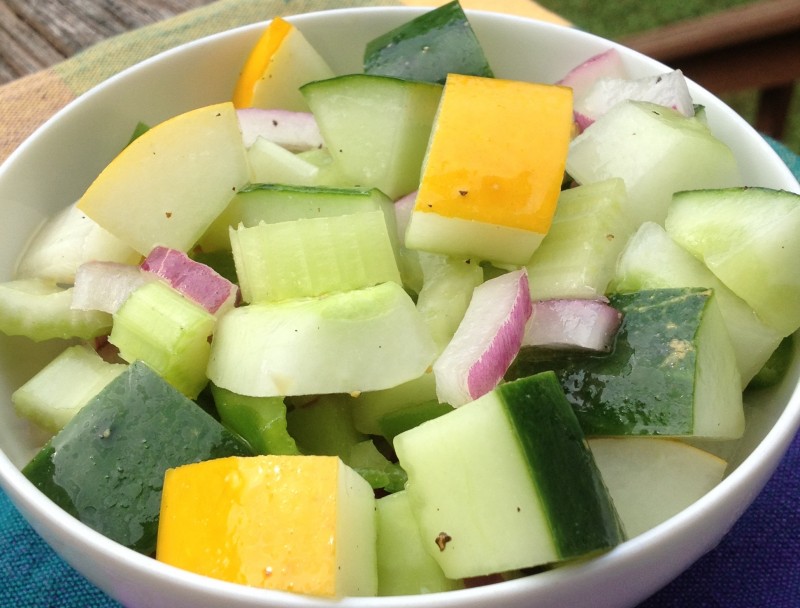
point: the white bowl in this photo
(57, 163)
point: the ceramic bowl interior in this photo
(54, 167)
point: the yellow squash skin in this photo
(277, 522)
(281, 61)
(496, 157)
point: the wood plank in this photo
(35, 35)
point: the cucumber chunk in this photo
(60, 389)
(748, 238)
(106, 467)
(368, 339)
(375, 127)
(652, 260)
(548, 505)
(273, 203)
(657, 151)
(672, 371)
(404, 566)
(437, 43)
(577, 257)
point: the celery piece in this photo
(55, 394)
(169, 332)
(40, 310)
(313, 257)
(261, 421)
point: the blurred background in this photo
(745, 51)
(732, 47)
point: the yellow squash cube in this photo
(169, 184)
(494, 169)
(281, 61)
(304, 524)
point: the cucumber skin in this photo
(581, 514)
(106, 467)
(427, 48)
(629, 391)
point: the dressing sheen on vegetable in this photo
(406, 330)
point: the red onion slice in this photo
(486, 341)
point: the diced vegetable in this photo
(489, 192)
(652, 260)
(381, 473)
(362, 340)
(748, 238)
(448, 285)
(280, 62)
(572, 325)
(169, 184)
(66, 241)
(672, 371)
(405, 567)
(650, 480)
(294, 131)
(106, 467)
(581, 78)
(401, 420)
(577, 257)
(105, 286)
(169, 332)
(657, 151)
(325, 427)
(304, 524)
(269, 163)
(428, 48)
(369, 408)
(313, 257)
(41, 310)
(486, 341)
(192, 279)
(273, 203)
(475, 521)
(261, 421)
(60, 389)
(669, 90)
(774, 370)
(376, 128)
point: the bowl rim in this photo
(759, 464)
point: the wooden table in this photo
(35, 34)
